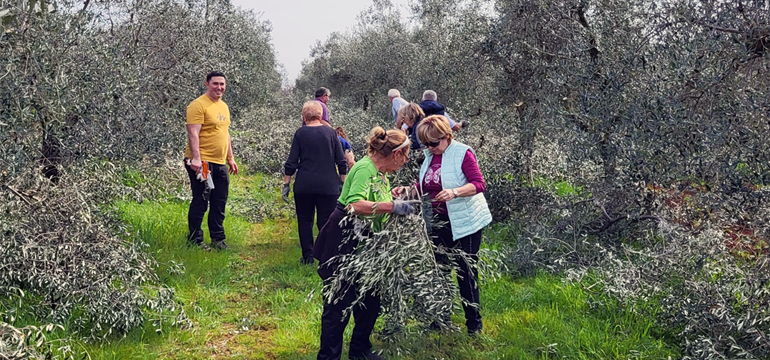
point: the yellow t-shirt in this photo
(214, 136)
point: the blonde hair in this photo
(434, 128)
(411, 111)
(312, 110)
(393, 93)
(384, 142)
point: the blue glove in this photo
(404, 207)
(285, 192)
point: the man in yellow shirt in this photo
(208, 141)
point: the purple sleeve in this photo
(325, 114)
(472, 173)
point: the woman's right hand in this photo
(404, 207)
(285, 192)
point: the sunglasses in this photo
(433, 143)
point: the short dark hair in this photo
(215, 73)
(321, 92)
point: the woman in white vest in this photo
(451, 175)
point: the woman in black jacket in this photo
(316, 156)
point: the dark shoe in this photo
(367, 356)
(474, 331)
(198, 244)
(219, 245)
(307, 260)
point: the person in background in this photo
(450, 175)
(346, 147)
(396, 101)
(209, 142)
(366, 192)
(322, 97)
(410, 115)
(430, 106)
(317, 158)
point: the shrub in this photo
(23, 343)
(70, 263)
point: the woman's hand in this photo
(285, 192)
(398, 190)
(444, 195)
(405, 207)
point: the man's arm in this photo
(394, 112)
(193, 139)
(452, 124)
(230, 158)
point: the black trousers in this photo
(333, 324)
(307, 206)
(467, 278)
(214, 202)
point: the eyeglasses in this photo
(433, 143)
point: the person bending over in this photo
(366, 192)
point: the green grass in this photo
(561, 187)
(257, 302)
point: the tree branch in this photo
(21, 195)
(619, 218)
(717, 28)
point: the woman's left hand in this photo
(397, 191)
(444, 195)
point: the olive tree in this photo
(89, 89)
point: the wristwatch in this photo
(454, 191)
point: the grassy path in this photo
(257, 302)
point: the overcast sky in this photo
(299, 24)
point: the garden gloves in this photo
(285, 192)
(404, 207)
(204, 175)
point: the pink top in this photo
(431, 183)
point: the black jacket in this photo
(316, 156)
(430, 107)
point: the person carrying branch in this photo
(366, 192)
(208, 155)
